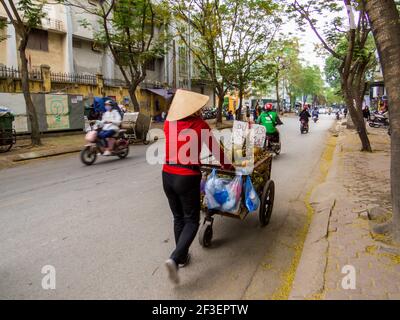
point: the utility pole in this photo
(189, 52)
(174, 64)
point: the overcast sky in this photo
(308, 39)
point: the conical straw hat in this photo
(186, 103)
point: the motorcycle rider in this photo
(305, 115)
(270, 119)
(111, 120)
(315, 113)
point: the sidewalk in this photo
(354, 197)
(52, 146)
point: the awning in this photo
(166, 94)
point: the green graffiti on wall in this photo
(57, 113)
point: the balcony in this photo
(53, 25)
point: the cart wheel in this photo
(145, 140)
(267, 203)
(205, 235)
(5, 148)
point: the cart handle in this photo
(211, 167)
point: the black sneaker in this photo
(182, 265)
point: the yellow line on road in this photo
(283, 292)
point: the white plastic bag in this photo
(223, 194)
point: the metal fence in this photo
(115, 82)
(15, 73)
(62, 77)
(73, 78)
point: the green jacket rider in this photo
(269, 119)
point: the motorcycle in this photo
(304, 128)
(315, 119)
(94, 147)
(377, 120)
(273, 144)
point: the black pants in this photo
(183, 193)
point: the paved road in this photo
(107, 230)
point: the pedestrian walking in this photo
(247, 113)
(366, 112)
(185, 131)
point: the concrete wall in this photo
(77, 29)
(55, 112)
(85, 59)
(16, 102)
(55, 57)
(3, 46)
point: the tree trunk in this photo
(385, 22)
(292, 103)
(32, 115)
(132, 95)
(240, 104)
(221, 97)
(278, 99)
(358, 120)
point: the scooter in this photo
(89, 153)
(304, 128)
(273, 144)
(377, 120)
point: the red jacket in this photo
(184, 146)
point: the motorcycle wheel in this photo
(278, 149)
(88, 156)
(123, 154)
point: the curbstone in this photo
(44, 154)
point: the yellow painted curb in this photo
(283, 292)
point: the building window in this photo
(151, 65)
(76, 43)
(38, 40)
(183, 65)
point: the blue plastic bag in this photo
(223, 194)
(251, 197)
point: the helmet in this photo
(268, 106)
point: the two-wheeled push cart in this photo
(264, 186)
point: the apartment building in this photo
(68, 47)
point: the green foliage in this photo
(253, 32)
(135, 31)
(312, 83)
(282, 64)
(346, 40)
(331, 69)
(333, 96)
(32, 12)
(131, 32)
(228, 37)
(132, 29)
